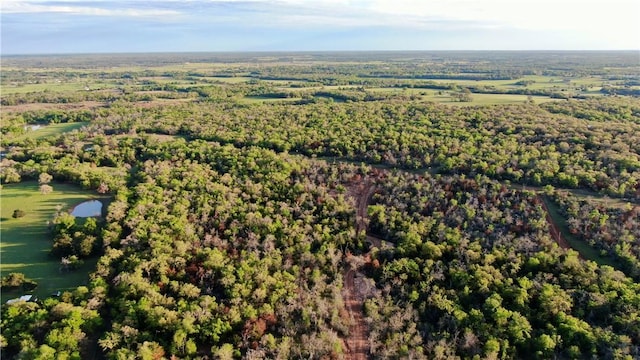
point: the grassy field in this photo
(54, 87)
(50, 130)
(488, 99)
(26, 241)
(477, 99)
(537, 83)
(228, 80)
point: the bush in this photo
(17, 213)
(70, 263)
(15, 280)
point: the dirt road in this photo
(358, 340)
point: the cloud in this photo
(584, 15)
(172, 25)
(81, 8)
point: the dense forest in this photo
(321, 206)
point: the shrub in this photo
(15, 280)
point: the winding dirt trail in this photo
(362, 194)
(358, 340)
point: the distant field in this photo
(50, 130)
(229, 80)
(496, 83)
(166, 80)
(26, 241)
(488, 99)
(54, 87)
(52, 106)
(477, 99)
(286, 83)
(427, 95)
(536, 83)
(320, 87)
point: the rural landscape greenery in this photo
(382, 205)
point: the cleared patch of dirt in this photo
(361, 192)
(358, 340)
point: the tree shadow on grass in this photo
(26, 243)
(51, 279)
(29, 253)
(5, 195)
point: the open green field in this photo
(50, 130)
(25, 242)
(53, 87)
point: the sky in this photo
(100, 26)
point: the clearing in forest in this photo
(26, 241)
(49, 130)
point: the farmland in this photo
(326, 205)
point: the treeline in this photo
(94, 163)
(519, 143)
(600, 109)
(57, 97)
(555, 93)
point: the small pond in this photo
(88, 209)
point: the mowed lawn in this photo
(51, 130)
(25, 242)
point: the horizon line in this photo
(311, 52)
